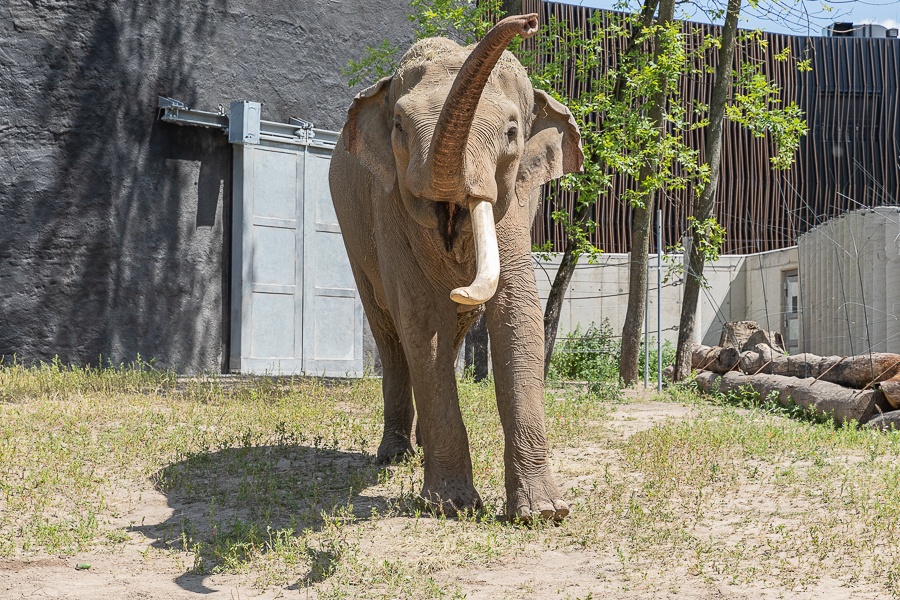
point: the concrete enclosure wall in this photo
(740, 287)
(114, 227)
(850, 283)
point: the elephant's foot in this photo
(536, 498)
(394, 448)
(450, 499)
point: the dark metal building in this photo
(848, 160)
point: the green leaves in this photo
(756, 106)
(377, 62)
(619, 135)
(465, 21)
(708, 236)
(461, 20)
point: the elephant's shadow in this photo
(233, 502)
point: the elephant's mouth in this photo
(450, 218)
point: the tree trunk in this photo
(703, 209)
(826, 399)
(476, 349)
(555, 299)
(570, 254)
(640, 232)
(629, 357)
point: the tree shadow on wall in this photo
(115, 237)
(124, 235)
(233, 504)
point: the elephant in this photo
(436, 180)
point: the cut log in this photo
(773, 339)
(822, 397)
(881, 403)
(756, 359)
(851, 371)
(710, 358)
(885, 421)
(668, 372)
(736, 333)
(891, 389)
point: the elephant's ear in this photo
(552, 149)
(367, 133)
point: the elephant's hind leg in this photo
(398, 403)
(396, 386)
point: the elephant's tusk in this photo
(487, 256)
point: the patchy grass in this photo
(273, 479)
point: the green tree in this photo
(632, 121)
(755, 105)
(606, 123)
(701, 222)
(669, 59)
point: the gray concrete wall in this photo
(740, 287)
(114, 227)
(764, 286)
(850, 284)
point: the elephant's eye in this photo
(512, 133)
(397, 125)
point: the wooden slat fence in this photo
(848, 160)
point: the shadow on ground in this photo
(229, 505)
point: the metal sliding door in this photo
(332, 337)
(295, 308)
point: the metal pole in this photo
(647, 331)
(659, 300)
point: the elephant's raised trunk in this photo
(452, 130)
(487, 256)
(448, 152)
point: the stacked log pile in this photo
(864, 388)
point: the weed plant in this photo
(593, 356)
(54, 379)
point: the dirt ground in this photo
(137, 569)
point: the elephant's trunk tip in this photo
(529, 25)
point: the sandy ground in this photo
(137, 569)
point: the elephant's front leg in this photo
(429, 330)
(515, 323)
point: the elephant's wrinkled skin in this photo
(423, 154)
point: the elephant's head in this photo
(461, 134)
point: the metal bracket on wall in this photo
(175, 111)
(243, 125)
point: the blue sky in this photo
(801, 17)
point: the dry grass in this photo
(273, 479)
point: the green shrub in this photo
(593, 355)
(668, 357)
(589, 356)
